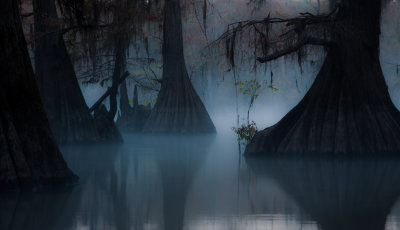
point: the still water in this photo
(200, 183)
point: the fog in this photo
(213, 78)
(191, 181)
(199, 182)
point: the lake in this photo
(201, 182)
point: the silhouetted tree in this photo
(348, 108)
(28, 153)
(178, 109)
(66, 108)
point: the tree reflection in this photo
(179, 158)
(338, 193)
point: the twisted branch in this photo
(293, 48)
(306, 29)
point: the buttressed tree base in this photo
(29, 156)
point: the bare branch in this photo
(304, 19)
(306, 29)
(280, 53)
(144, 86)
(293, 48)
(108, 92)
(86, 27)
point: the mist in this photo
(189, 115)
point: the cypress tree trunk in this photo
(66, 108)
(122, 40)
(121, 46)
(124, 106)
(132, 119)
(348, 108)
(135, 97)
(119, 68)
(178, 108)
(29, 155)
(124, 119)
(140, 113)
(332, 4)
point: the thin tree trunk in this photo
(123, 43)
(135, 97)
(348, 109)
(122, 38)
(124, 106)
(29, 155)
(119, 68)
(107, 93)
(66, 108)
(178, 109)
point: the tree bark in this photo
(347, 109)
(122, 41)
(135, 97)
(62, 98)
(178, 109)
(29, 155)
(124, 106)
(119, 67)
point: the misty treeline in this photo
(44, 105)
(95, 42)
(99, 42)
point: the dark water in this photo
(200, 183)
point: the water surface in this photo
(199, 183)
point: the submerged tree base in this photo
(179, 108)
(134, 119)
(29, 155)
(346, 111)
(66, 109)
(179, 111)
(108, 131)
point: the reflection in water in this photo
(337, 193)
(139, 185)
(178, 160)
(199, 183)
(52, 209)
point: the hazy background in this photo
(213, 78)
